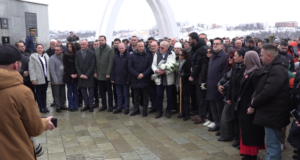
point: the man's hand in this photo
(74, 76)
(140, 76)
(107, 76)
(95, 75)
(221, 89)
(297, 123)
(160, 71)
(250, 110)
(50, 124)
(56, 83)
(34, 83)
(191, 79)
(85, 77)
(112, 81)
(229, 102)
(26, 73)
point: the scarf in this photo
(252, 62)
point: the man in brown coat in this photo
(19, 115)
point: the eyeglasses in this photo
(216, 44)
(161, 47)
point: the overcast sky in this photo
(136, 14)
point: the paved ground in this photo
(103, 135)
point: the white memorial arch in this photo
(161, 9)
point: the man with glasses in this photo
(165, 80)
(216, 69)
(283, 51)
(57, 72)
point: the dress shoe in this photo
(248, 157)
(118, 111)
(224, 140)
(145, 113)
(76, 109)
(102, 109)
(174, 111)
(135, 113)
(95, 105)
(199, 120)
(71, 110)
(64, 107)
(58, 110)
(85, 108)
(211, 125)
(91, 109)
(110, 109)
(46, 109)
(193, 113)
(42, 110)
(186, 118)
(194, 118)
(52, 104)
(235, 144)
(207, 123)
(153, 110)
(126, 111)
(214, 129)
(168, 114)
(158, 115)
(296, 157)
(295, 151)
(180, 116)
(218, 133)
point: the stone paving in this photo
(108, 136)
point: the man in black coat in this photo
(139, 67)
(271, 99)
(198, 52)
(283, 51)
(85, 65)
(251, 47)
(72, 37)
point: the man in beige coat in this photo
(19, 115)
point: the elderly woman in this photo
(184, 73)
(252, 135)
(40, 75)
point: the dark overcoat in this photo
(186, 84)
(120, 73)
(86, 67)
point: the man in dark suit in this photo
(85, 65)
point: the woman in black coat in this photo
(184, 73)
(252, 135)
(70, 76)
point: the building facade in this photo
(17, 16)
(286, 24)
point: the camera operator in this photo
(19, 115)
(72, 37)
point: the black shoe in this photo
(168, 114)
(224, 140)
(58, 110)
(91, 109)
(135, 113)
(46, 109)
(235, 144)
(180, 116)
(80, 105)
(214, 129)
(296, 157)
(84, 108)
(145, 113)
(153, 110)
(186, 118)
(64, 107)
(118, 111)
(194, 113)
(295, 151)
(110, 109)
(52, 104)
(42, 110)
(126, 111)
(71, 110)
(174, 111)
(76, 109)
(248, 157)
(158, 115)
(102, 109)
(218, 133)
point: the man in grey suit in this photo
(57, 72)
(85, 65)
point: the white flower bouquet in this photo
(168, 67)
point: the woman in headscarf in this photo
(252, 135)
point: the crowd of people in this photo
(242, 89)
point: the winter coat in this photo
(19, 117)
(294, 135)
(290, 59)
(50, 52)
(186, 73)
(252, 134)
(120, 73)
(254, 49)
(271, 97)
(56, 69)
(69, 68)
(216, 70)
(104, 62)
(170, 76)
(36, 69)
(198, 53)
(234, 85)
(85, 67)
(224, 81)
(72, 39)
(140, 63)
(24, 67)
